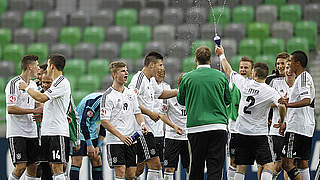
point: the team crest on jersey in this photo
(164, 107)
(165, 162)
(12, 99)
(130, 97)
(90, 114)
(18, 155)
(103, 112)
(136, 91)
(153, 151)
(114, 159)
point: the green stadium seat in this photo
(75, 67)
(13, 52)
(126, 17)
(131, 50)
(3, 6)
(297, 43)
(235, 63)
(199, 43)
(258, 31)
(3, 117)
(73, 81)
(225, 16)
(188, 64)
(70, 35)
(2, 84)
(277, 3)
(308, 30)
(40, 50)
(243, 14)
(273, 46)
(78, 96)
(94, 35)
(33, 20)
(269, 60)
(89, 83)
(250, 47)
(291, 13)
(5, 36)
(2, 100)
(99, 67)
(129, 79)
(141, 33)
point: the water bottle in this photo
(217, 40)
(136, 135)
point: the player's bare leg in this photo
(18, 171)
(131, 172)
(303, 168)
(267, 171)
(57, 170)
(168, 173)
(292, 171)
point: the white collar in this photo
(204, 66)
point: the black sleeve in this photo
(102, 131)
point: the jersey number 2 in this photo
(252, 101)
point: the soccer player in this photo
(280, 65)
(245, 69)
(89, 112)
(144, 84)
(205, 93)
(21, 129)
(300, 122)
(118, 112)
(55, 128)
(175, 144)
(282, 85)
(252, 122)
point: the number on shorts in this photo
(55, 154)
(252, 101)
(183, 112)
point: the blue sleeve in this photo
(92, 106)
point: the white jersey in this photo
(54, 121)
(148, 91)
(255, 102)
(20, 125)
(120, 109)
(178, 115)
(158, 126)
(301, 120)
(282, 87)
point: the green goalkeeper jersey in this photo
(205, 93)
(235, 101)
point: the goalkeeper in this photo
(90, 145)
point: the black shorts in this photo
(160, 147)
(55, 149)
(173, 148)
(232, 144)
(23, 149)
(277, 146)
(146, 147)
(251, 148)
(83, 148)
(121, 154)
(297, 146)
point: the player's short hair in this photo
(301, 57)
(152, 56)
(114, 66)
(203, 54)
(26, 60)
(282, 55)
(261, 69)
(179, 78)
(247, 59)
(43, 67)
(58, 60)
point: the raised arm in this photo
(223, 60)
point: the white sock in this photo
(231, 172)
(168, 176)
(266, 175)
(153, 174)
(305, 173)
(13, 177)
(59, 177)
(238, 176)
(117, 178)
(28, 177)
(160, 174)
